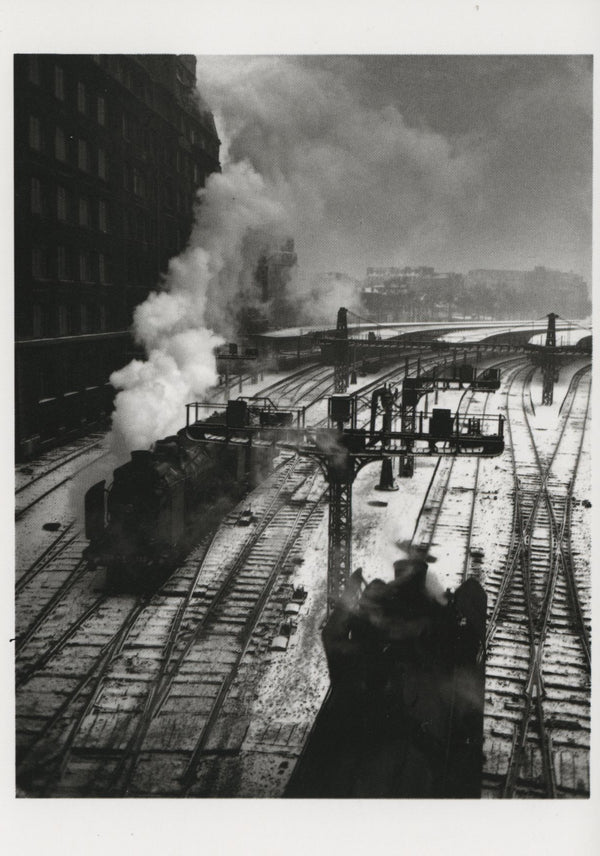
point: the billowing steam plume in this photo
(176, 325)
(304, 156)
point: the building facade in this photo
(109, 154)
(534, 293)
(409, 294)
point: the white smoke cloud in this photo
(359, 185)
(305, 157)
(177, 324)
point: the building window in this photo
(38, 263)
(196, 174)
(73, 327)
(83, 155)
(36, 196)
(125, 126)
(61, 262)
(138, 183)
(101, 110)
(103, 318)
(59, 82)
(35, 134)
(63, 320)
(84, 268)
(38, 321)
(81, 98)
(102, 216)
(102, 268)
(61, 203)
(93, 318)
(34, 70)
(102, 164)
(84, 212)
(47, 380)
(60, 146)
(83, 317)
(140, 227)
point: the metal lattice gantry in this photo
(342, 358)
(342, 451)
(339, 554)
(549, 366)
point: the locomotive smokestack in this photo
(141, 458)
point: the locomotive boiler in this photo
(163, 500)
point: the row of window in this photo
(69, 150)
(133, 79)
(94, 104)
(134, 180)
(68, 320)
(69, 207)
(86, 104)
(70, 265)
(77, 209)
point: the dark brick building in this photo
(109, 152)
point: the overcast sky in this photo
(457, 162)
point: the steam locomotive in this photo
(162, 501)
(404, 713)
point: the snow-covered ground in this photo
(293, 683)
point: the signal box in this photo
(340, 408)
(236, 415)
(441, 422)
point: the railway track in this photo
(68, 534)
(187, 626)
(538, 657)
(184, 625)
(454, 482)
(52, 461)
(45, 484)
(46, 587)
(156, 701)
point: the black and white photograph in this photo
(302, 425)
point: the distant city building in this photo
(535, 292)
(271, 277)
(406, 294)
(109, 153)
(273, 271)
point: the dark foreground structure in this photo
(404, 715)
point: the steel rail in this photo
(168, 671)
(537, 624)
(46, 557)
(56, 466)
(301, 519)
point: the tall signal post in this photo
(549, 364)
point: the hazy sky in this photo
(458, 162)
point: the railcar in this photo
(162, 501)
